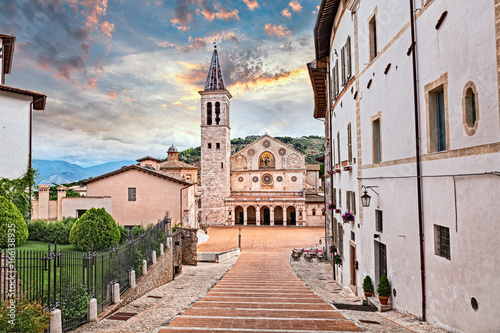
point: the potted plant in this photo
(348, 217)
(332, 206)
(368, 287)
(384, 290)
(336, 258)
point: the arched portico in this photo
(278, 215)
(239, 215)
(291, 215)
(251, 215)
(265, 215)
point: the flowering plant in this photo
(333, 248)
(337, 259)
(332, 206)
(348, 217)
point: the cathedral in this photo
(266, 183)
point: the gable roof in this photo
(39, 99)
(267, 136)
(155, 173)
(172, 164)
(148, 158)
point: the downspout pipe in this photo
(418, 162)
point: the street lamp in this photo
(365, 198)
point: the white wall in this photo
(14, 134)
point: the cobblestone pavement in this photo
(260, 293)
(319, 277)
(261, 239)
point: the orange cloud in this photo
(112, 94)
(277, 30)
(227, 15)
(107, 28)
(296, 7)
(286, 13)
(267, 81)
(91, 83)
(252, 4)
(180, 25)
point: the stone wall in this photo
(158, 274)
(177, 252)
(189, 246)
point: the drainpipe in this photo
(418, 164)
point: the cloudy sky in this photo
(122, 76)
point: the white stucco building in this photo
(422, 124)
(16, 115)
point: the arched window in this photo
(217, 113)
(314, 211)
(470, 108)
(266, 160)
(209, 113)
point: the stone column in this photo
(271, 214)
(284, 215)
(245, 215)
(257, 215)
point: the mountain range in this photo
(61, 172)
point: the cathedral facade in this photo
(266, 183)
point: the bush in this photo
(11, 224)
(75, 303)
(57, 231)
(368, 284)
(384, 287)
(30, 317)
(137, 230)
(94, 228)
(37, 230)
(123, 233)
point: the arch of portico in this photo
(265, 214)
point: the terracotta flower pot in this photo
(368, 295)
(383, 300)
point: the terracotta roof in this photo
(38, 97)
(8, 41)
(312, 167)
(215, 81)
(173, 164)
(314, 198)
(148, 158)
(145, 170)
(321, 159)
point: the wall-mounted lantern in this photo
(365, 198)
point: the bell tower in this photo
(215, 145)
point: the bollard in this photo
(153, 256)
(162, 250)
(55, 321)
(116, 293)
(144, 267)
(92, 314)
(131, 278)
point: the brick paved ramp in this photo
(261, 238)
(260, 293)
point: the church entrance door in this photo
(267, 216)
(291, 216)
(278, 215)
(292, 219)
(239, 215)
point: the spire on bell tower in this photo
(215, 81)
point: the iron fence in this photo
(55, 278)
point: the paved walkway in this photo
(260, 293)
(261, 238)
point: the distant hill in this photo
(312, 146)
(61, 172)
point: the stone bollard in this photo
(131, 278)
(162, 250)
(144, 267)
(92, 314)
(116, 293)
(55, 321)
(153, 256)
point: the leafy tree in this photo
(17, 191)
(12, 225)
(94, 228)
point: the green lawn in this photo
(42, 246)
